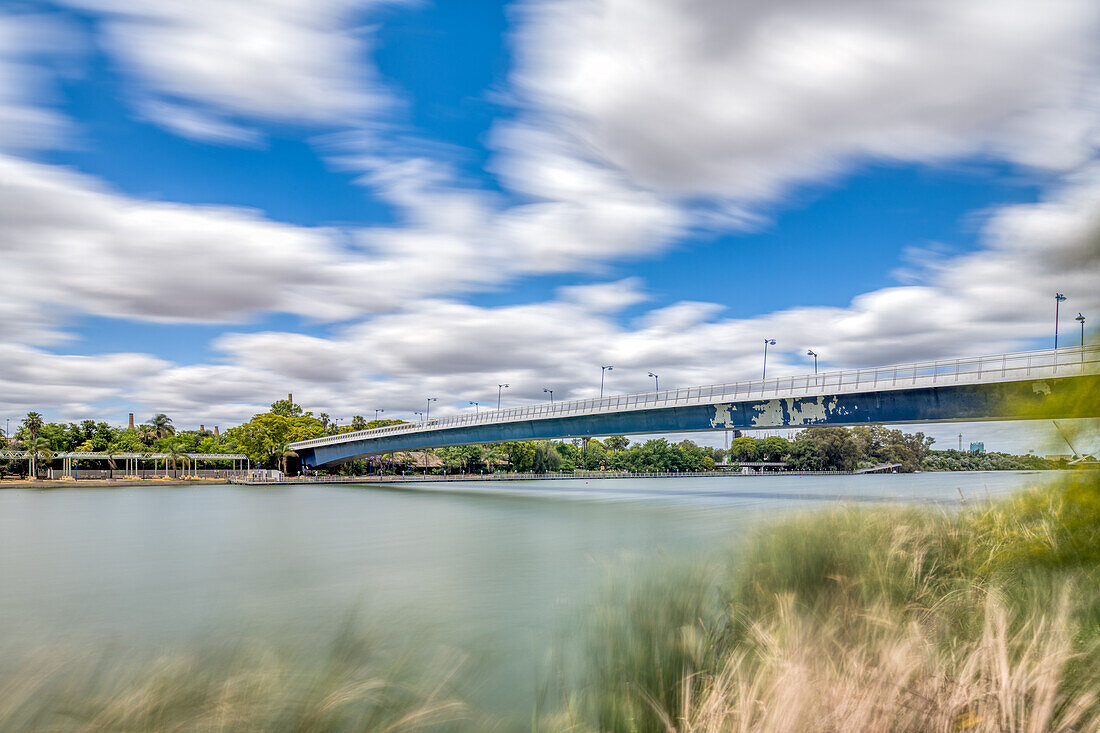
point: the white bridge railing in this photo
(971, 370)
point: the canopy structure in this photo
(133, 462)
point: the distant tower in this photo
(290, 398)
(216, 431)
(131, 421)
(202, 428)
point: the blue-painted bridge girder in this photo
(1017, 399)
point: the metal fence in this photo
(104, 474)
(443, 478)
(1048, 363)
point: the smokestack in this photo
(215, 431)
(202, 428)
(131, 421)
(289, 397)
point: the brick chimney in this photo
(202, 428)
(289, 397)
(215, 431)
(131, 421)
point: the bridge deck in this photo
(993, 369)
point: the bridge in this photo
(1018, 386)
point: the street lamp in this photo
(603, 370)
(656, 384)
(499, 388)
(551, 392)
(419, 412)
(766, 343)
(1081, 319)
(812, 353)
(428, 410)
(376, 411)
(477, 410)
(1058, 298)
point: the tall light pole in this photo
(551, 392)
(1081, 319)
(477, 410)
(376, 411)
(603, 370)
(419, 412)
(814, 355)
(1058, 298)
(656, 384)
(766, 343)
(499, 388)
(338, 425)
(428, 410)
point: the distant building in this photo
(977, 447)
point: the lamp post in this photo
(499, 388)
(376, 411)
(1058, 298)
(419, 412)
(656, 384)
(477, 410)
(551, 392)
(812, 353)
(766, 343)
(338, 425)
(603, 370)
(1081, 319)
(428, 410)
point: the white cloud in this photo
(196, 125)
(25, 39)
(291, 60)
(736, 100)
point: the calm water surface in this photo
(498, 569)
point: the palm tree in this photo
(282, 451)
(174, 453)
(146, 434)
(162, 424)
(33, 423)
(37, 448)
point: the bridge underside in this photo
(1022, 400)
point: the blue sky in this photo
(366, 202)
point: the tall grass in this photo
(987, 619)
(355, 687)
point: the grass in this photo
(987, 619)
(354, 687)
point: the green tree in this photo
(802, 455)
(744, 450)
(283, 451)
(547, 459)
(358, 423)
(617, 442)
(520, 453)
(173, 452)
(836, 447)
(37, 448)
(773, 448)
(162, 425)
(286, 408)
(33, 423)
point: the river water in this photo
(496, 569)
